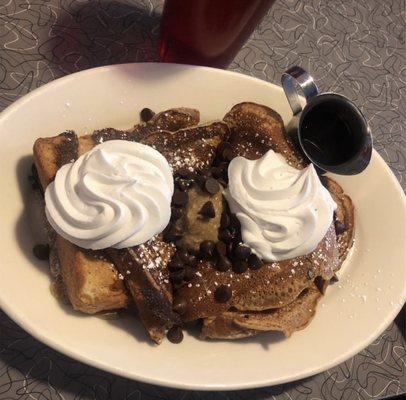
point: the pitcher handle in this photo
(306, 83)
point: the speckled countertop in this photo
(355, 47)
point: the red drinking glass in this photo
(208, 32)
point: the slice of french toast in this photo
(254, 130)
(90, 281)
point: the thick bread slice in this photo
(76, 263)
(50, 153)
(190, 148)
(255, 129)
(288, 319)
(144, 270)
(90, 279)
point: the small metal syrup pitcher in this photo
(332, 131)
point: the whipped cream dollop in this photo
(116, 195)
(284, 212)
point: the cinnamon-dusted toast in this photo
(90, 281)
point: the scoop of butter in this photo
(194, 226)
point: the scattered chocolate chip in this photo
(223, 264)
(146, 114)
(207, 248)
(184, 173)
(189, 274)
(41, 251)
(242, 252)
(229, 154)
(177, 277)
(334, 279)
(192, 260)
(217, 172)
(240, 266)
(184, 184)
(176, 213)
(180, 198)
(226, 236)
(254, 261)
(310, 274)
(180, 307)
(211, 186)
(222, 294)
(230, 249)
(224, 221)
(175, 264)
(223, 146)
(340, 227)
(221, 248)
(200, 180)
(207, 210)
(183, 255)
(175, 334)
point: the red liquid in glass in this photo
(208, 32)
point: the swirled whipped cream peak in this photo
(116, 195)
(284, 212)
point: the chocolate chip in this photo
(175, 334)
(229, 154)
(240, 266)
(254, 261)
(224, 221)
(221, 248)
(184, 184)
(222, 182)
(192, 260)
(226, 236)
(310, 274)
(222, 294)
(340, 227)
(222, 147)
(175, 264)
(207, 210)
(177, 277)
(183, 255)
(242, 252)
(334, 279)
(41, 251)
(230, 249)
(146, 114)
(189, 274)
(176, 213)
(184, 173)
(207, 248)
(211, 186)
(200, 180)
(217, 172)
(180, 198)
(223, 264)
(180, 307)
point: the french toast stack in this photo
(167, 278)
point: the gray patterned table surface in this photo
(355, 47)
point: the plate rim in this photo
(58, 346)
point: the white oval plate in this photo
(351, 315)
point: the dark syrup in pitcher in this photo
(331, 132)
